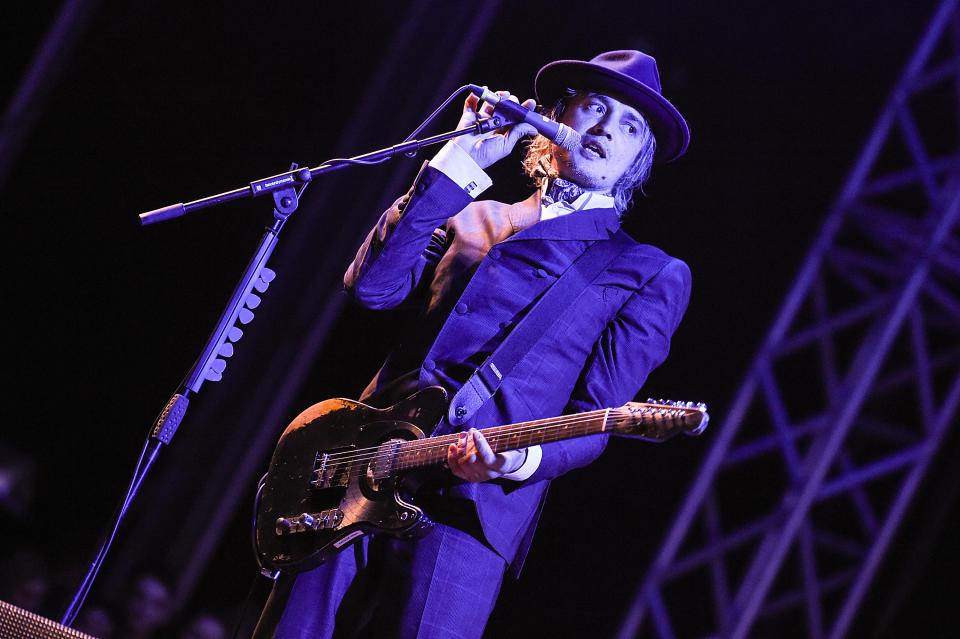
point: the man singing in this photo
(476, 269)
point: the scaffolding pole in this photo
(845, 406)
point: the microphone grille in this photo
(567, 138)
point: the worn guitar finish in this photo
(335, 473)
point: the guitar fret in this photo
(433, 450)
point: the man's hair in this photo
(537, 161)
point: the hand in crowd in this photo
(488, 148)
(472, 459)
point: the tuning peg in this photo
(245, 316)
(212, 376)
(234, 334)
(252, 300)
(226, 350)
(218, 365)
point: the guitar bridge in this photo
(330, 474)
(323, 520)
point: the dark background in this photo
(165, 102)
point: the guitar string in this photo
(514, 430)
(417, 447)
(522, 427)
(615, 417)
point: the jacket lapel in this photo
(588, 224)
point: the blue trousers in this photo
(443, 585)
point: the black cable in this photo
(246, 604)
(138, 474)
(423, 125)
(437, 111)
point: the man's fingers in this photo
(483, 447)
(471, 458)
(452, 456)
(517, 131)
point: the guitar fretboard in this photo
(433, 450)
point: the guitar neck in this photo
(433, 450)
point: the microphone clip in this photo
(497, 120)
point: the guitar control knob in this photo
(309, 521)
(283, 526)
(293, 525)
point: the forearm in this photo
(559, 458)
(394, 255)
(632, 345)
(391, 261)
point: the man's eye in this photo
(632, 130)
(598, 108)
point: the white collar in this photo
(587, 199)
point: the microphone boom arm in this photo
(302, 176)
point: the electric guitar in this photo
(335, 473)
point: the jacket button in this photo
(541, 272)
(429, 364)
(461, 308)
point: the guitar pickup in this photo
(323, 520)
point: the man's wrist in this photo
(529, 465)
(457, 165)
(523, 460)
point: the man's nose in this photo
(600, 128)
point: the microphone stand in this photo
(282, 182)
(286, 189)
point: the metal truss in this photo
(844, 407)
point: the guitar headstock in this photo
(658, 419)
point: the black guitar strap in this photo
(565, 291)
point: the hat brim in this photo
(669, 127)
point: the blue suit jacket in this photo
(476, 268)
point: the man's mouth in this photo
(595, 149)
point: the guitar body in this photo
(319, 495)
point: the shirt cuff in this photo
(529, 466)
(457, 165)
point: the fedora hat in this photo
(629, 76)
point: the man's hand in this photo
(487, 148)
(472, 459)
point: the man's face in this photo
(612, 134)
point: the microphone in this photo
(559, 134)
